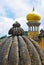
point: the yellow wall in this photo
(41, 43)
(33, 35)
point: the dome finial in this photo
(33, 9)
(16, 30)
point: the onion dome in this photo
(33, 16)
(16, 24)
(19, 50)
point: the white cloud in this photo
(2, 11)
(20, 8)
(23, 22)
(6, 24)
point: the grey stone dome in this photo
(19, 50)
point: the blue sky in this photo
(16, 10)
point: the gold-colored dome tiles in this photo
(33, 16)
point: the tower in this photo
(33, 23)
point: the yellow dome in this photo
(33, 16)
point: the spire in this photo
(33, 9)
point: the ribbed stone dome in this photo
(19, 50)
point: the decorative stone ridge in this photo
(21, 51)
(16, 30)
(16, 24)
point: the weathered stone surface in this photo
(16, 30)
(21, 51)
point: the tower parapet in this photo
(33, 23)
